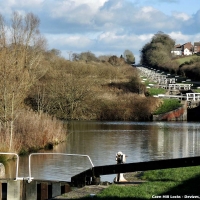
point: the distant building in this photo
(184, 49)
(196, 47)
(187, 49)
(177, 51)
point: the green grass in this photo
(156, 91)
(147, 82)
(143, 191)
(179, 181)
(175, 175)
(196, 90)
(168, 105)
(185, 59)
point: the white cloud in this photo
(92, 3)
(182, 16)
(181, 38)
(145, 37)
(21, 3)
(73, 10)
(147, 9)
(31, 3)
(178, 36)
(78, 41)
(22, 6)
(66, 41)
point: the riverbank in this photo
(179, 182)
(30, 132)
(179, 114)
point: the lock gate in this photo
(92, 176)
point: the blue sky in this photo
(169, 6)
(109, 27)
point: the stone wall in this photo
(179, 114)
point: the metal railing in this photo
(193, 96)
(33, 154)
(17, 163)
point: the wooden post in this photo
(42, 191)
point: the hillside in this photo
(182, 60)
(91, 90)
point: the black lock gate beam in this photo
(84, 178)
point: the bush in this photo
(128, 107)
(32, 131)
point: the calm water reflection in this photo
(140, 141)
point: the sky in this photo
(109, 27)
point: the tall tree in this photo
(157, 53)
(21, 53)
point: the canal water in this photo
(140, 141)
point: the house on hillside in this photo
(187, 49)
(196, 47)
(177, 51)
(184, 49)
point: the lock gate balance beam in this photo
(92, 175)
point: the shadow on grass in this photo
(188, 187)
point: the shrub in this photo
(128, 107)
(33, 131)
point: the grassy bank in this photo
(182, 60)
(172, 182)
(156, 91)
(168, 105)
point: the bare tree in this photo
(21, 51)
(75, 57)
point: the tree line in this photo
(79, 90)
(127, 56)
